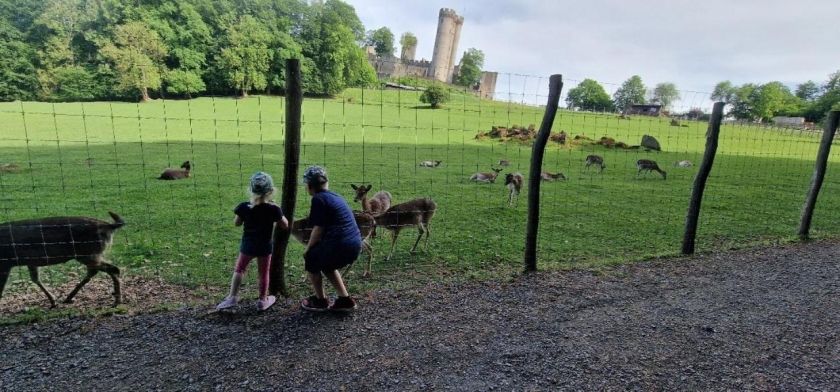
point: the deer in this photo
(302, 229)
(41, 242)
(430, 163)
(513, 181)
(504, 162)
(646, 166)
(417, 212)
(548, 176)
(683, 164)
(595, 160)
(486, 177)
(379, 203)
(177, 174)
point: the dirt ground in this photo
(759, 319)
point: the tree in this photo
(435, 96)
(244, 60)
(382, 39)
(137, 53)
(407, 40)
(187, 83)
(589, 95)
(771, 99)
(18, 79)
(808, 91)
(76, 83)
(724, 92)
(830, 98)
(665, 94)
(469, 70)
(631, 92)
(742, 103)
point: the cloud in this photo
(691, 43)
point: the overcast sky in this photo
(694, 44)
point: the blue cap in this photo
(315, 174)
(261, 184)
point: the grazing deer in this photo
(430, 163)
(683, 164)
(513, 181)
(595, 160)
(177, 174)
(379, 203)
(548, 176)
(417, 212)
(646, 166)
(40, 242)
(504, 162)
(302, 230)
(486, 177)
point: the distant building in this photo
(789, 122)
(442, 66)
(644, 110)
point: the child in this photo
(335, 242)
(259, 216)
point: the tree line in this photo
(76, 50)
(748, 102)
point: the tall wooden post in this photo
(555, 87)
(819, 174)
(294, 102)
(700, 180)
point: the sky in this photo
(694, 44)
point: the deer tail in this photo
(118, 220)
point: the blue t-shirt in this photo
(258, 227)
(331, 212)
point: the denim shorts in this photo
(327, 257)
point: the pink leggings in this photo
(263, 262)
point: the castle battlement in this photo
(449, 12)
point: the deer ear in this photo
(355, 188)
(368, 188)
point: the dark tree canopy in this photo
(724, 92)
(631, 92)
(589, 95)
(434, 95)
(665, 94)
(382, 40)
(469, 73)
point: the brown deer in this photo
(595, 160)
(302, 230)
(513, 181)
(430, 163)
(548, 176)
(646, 166)
(379, 203)
(36, 243)
(486, 177)
(177, 174)
(417, 212)
(504, 162)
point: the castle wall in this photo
(443, 57)
(487, 84)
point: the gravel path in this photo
(761, 319)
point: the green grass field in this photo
(86, 159)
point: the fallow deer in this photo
(379, 203)
(683, 164)
(430, 163)
(486, 177)
(595, 160)
(548, 176)
(646, 166)
(513, 181)
(504, 162)
(177, 174)
(417, 212)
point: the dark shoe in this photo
(315, 304)
(343, 304)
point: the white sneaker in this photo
(228, 303)
(266, 303)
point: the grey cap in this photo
(314, 174)
(261, 184)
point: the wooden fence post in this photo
(819, 173)
(294, 101)
(700, 180)
(555, 87)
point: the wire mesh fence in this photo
(85, 159)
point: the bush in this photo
(434, 96)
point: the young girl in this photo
(259, 217)
(335, 242)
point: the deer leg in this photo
(428, 233)
(114, 273)
(421, 229)
(91, 272)
(394, 235)
(369, 250)
(33, 274)
(4, 277)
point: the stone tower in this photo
(408, 52)
(446, 44)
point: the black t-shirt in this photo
(331, 212)
(259, 225)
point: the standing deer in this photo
(430, 163)
(177, 174)
(548, 176)
(595, 160)
(302, 230)
(417, 212)
(486, 177)
(646, 166)
(513, 181)
(40, 242)
(379, 203)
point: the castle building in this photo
(442, 67)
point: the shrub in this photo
(434, 96)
